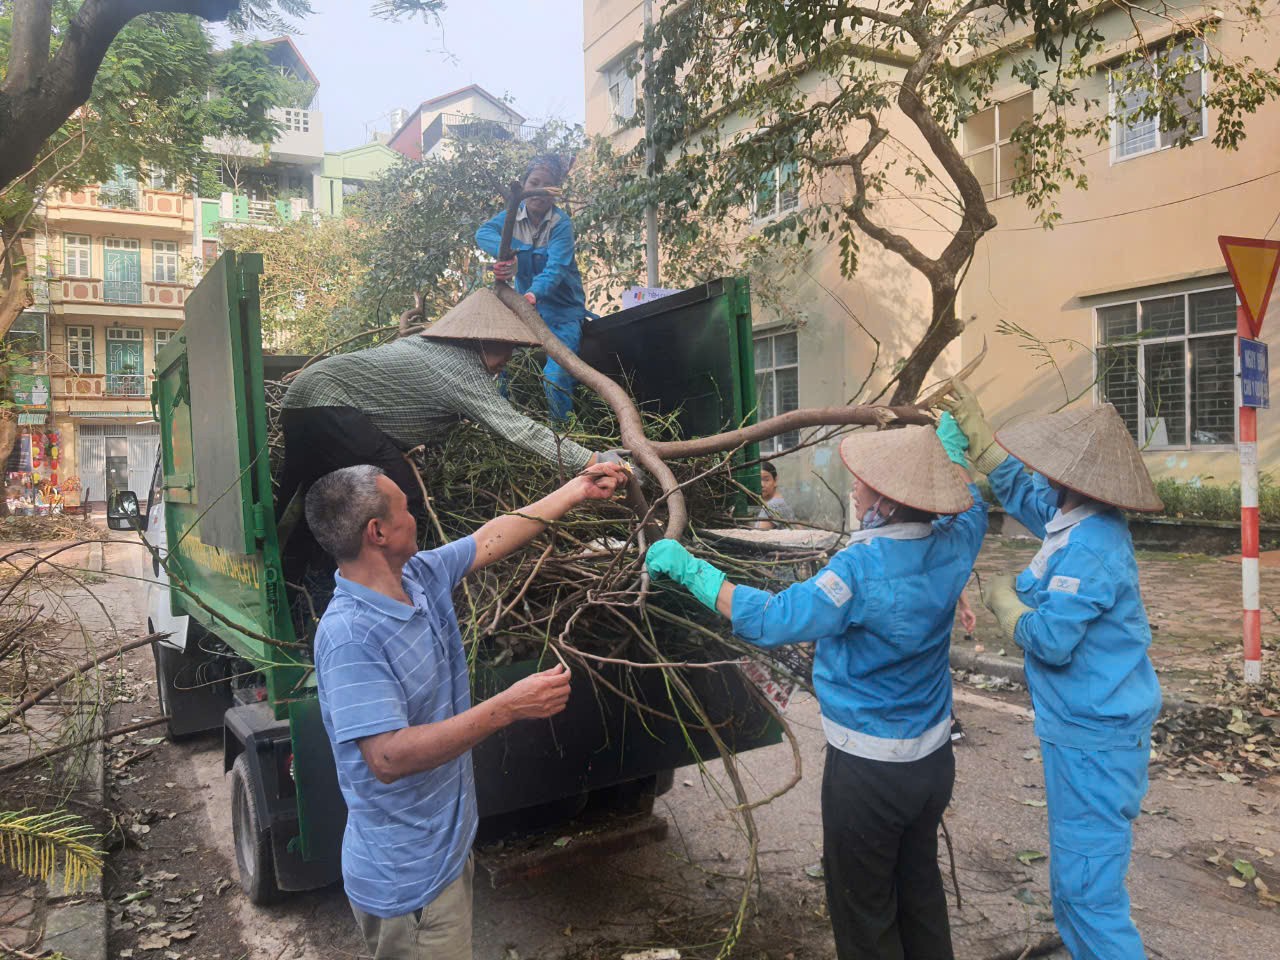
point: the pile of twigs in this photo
(47, 528)
(580, 593)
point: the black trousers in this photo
(880, 855)
(319, 440)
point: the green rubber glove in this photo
(1001, 598)
(983, 449)
(953, 440)
(668, 558)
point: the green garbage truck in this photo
(231, 663)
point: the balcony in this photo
(453, 126)
(70, 292)
(233, 208)
(101, 386)
(126, 385)
(143, 207)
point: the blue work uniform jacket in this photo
(881, 613)
(1086, 637)
(545, 263)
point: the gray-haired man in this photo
(395, 698)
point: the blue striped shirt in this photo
(382, 666)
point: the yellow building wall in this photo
(1147, 226)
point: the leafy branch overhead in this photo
(863, 110)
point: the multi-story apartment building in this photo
(114, 263)
(113, 271)
(1130, 293)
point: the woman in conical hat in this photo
(1077, 613)
(881, 614)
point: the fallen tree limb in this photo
(105, 735)
(795, 420)
(78, 670)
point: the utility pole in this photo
(650, 210)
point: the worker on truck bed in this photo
(395, 699)
(373, 405)
(881, 613)
(545, 270)
(1077, 612)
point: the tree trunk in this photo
(15, 295)
(44, 92)
(944, 327)
(8, 437)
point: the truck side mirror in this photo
(123, 512)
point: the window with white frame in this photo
(162, 338)
(158, 178)
(1137, 129)
(80, 349)
(777, 384)
(1168, 366)
(778, 191)
(620, 80)
(164, 258)
(77, 259)
(989, 150)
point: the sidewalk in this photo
(1193, 603)
(34, 915)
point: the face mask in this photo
(873, 518)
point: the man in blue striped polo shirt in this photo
(395, 698)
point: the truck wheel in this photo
(252, 837)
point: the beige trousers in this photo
(440, 931)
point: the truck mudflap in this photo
(269, 748)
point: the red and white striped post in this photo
(1249, 527)
(1253, 264)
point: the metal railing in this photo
(126, 385)
(122, 291)
(120, 196)
(458, 126)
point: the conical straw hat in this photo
(907, 465)
(482, 317)
(1088, 450)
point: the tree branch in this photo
(32, 112)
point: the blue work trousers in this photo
(1093, 798)
(559, 382)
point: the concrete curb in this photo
(1010, 668)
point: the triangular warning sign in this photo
(1253, 264)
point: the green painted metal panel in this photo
(217, 477)
(210, 218)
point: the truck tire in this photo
(252, 837)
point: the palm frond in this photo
(32, 844)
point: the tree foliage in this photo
(314, 272)
(871, 99)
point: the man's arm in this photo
(410, 750)
(480, 401)
(503, 536)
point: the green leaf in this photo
(1029, 857)
(1244, 868)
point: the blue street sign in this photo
(1255, 390)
